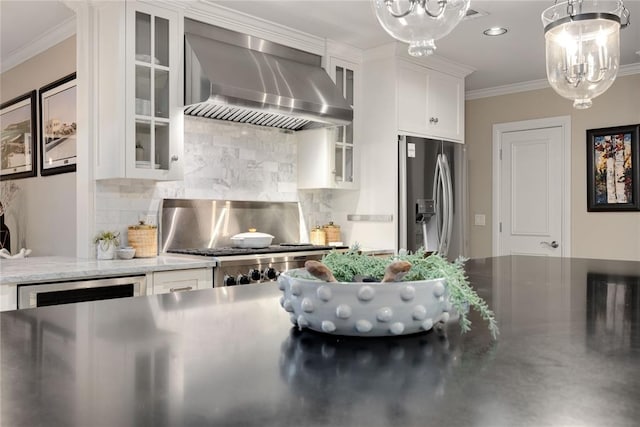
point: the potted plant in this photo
(106, 243)
(355, 294)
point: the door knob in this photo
(553, 244)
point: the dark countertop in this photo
(568, 354)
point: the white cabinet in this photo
(139, 80)
(182, 280)
(8, 297)
(399, 95)
(430, 103)
(326, 157)
(317, 158)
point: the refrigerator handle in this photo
(449, 201)
(437, 183)
(445, 207)
(402, 193)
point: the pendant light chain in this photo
(571, 10)
(626, 15)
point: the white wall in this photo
(610, 235)
(43, 217)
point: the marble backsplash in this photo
(227, 161)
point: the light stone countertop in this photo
(52, 268)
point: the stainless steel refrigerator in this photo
(432, 202)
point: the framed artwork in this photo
(613, 172)
(58, 126)
(18, 133)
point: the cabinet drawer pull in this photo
(186, 288)
(433, 120)
(174, 158)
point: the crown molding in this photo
(384, 51)
(629, 69)
(439, 63)
(625, 70)
(57, 34)
(344, 51)
(210, 13)
(506, 89)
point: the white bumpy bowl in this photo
(364, 308)
(126, 253)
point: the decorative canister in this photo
(318, 236)
(144, 238)
(332, 232)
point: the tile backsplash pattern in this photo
(243, 162)
(222, 161)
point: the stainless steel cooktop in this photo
(274, 249)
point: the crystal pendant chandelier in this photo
(583, 47)
(420, 22)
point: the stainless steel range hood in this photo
(236, 77)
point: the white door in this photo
(532, 214)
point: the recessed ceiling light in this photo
(494, 31)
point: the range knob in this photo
(254, 274)
(270, 273)
(229, 281)
(243, 279)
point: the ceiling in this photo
(516, 57)
(20, 26)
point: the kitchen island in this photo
(568, 354)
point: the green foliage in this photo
(107, 237)
(461, 295)
(345, 266)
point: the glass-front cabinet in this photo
(150, 91)
(343, 77)
(326, 157)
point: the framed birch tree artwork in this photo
(613, 172)
(18, 132)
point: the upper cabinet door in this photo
(140, 125)
(345, 75)
(430, 103)
(327, 157)
(445, 106)
(412, 99)
(154, 113)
